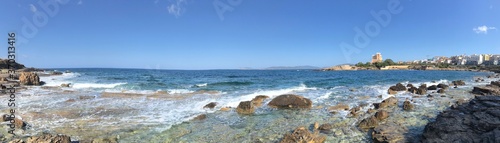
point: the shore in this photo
(332, 126)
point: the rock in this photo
(20, 124)
(486, 90)
(496, 83)
(413, 90)
(421, 91)
(29, 78)
(338, 107)
(17, 141)
(70, 100)
(225, 109)
(407, 106)
(476, 121)
(245, 107)
(458, 83)
(398, 87)
(354, 110)
(302, 135)
(86, 97)
(368, 123)
(441, 91)
(56, 73)
(443, 86)
(370, 111)
(325, 128)
(290, 101)
(429, 96)
(389, 102)
(257, 101)
(200, 117)
(105, 140)
(409, 85)
(389, 133)
(381, 115)
(391, 92)
(65, 84)
(210, 105)
(3, 79)
(424, 86)
(432, 87)
(48, 138)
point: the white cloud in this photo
(80, 2)
(176, 8)
(483, 29)
(32, 8)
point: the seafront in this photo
(212, 108)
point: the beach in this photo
(134, 105)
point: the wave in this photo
(201, 85)
(231, 83)
(95, 85)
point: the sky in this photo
(235, 34)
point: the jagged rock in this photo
(398, 87)
(407, 105)
(325, 128)
(413, 90)
(477, 121)
(421, 91)
(496, 83)
(432, 87)
(290, 101)
(370, 111)
(486, 90)
(409, 85)
(389, 102)
(245, 107)
(389, 133)
(29, 78)
(458, 83)
(368, 123)
(48, 138)
(424, 86)
(381, 115)
(257, 101)
(443, 86)
(338, 107)
(391, 92)
(302, 135)
(210, 105)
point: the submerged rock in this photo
(407, 106)
(302, 135)
(288, 101)
(458, 83)
(389, 133)
(477, 121)
(338, 107)
(245, 107)
(368, 123)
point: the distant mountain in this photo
(291, 67)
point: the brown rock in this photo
(389, 133)
(245, 107)
(389, 102)
(458, 83)
(105, 140)
(443, 86)
(325, 128)
(381, 115)
(368, 123)
(441, 91)
(257, 101)
(407, 105)
(210, 105)
(290, 101)
(65, 84)
(225, 109)
(302, 135)
(339, 106)
(17, 141)
(370, 111)
(48, 138)
(200, 117)
(29, 78)
(391, 92)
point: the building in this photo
(376, 58)
(475, 59)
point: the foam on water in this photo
(95, 85)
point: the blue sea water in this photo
(163, 116)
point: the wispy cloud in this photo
(33, 8)
(176, 8)
(483, 29)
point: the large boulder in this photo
(29, 78)
(398, 87)
(486, 90)
(432, 87)
(368, 123)
(381, 115)
(210, 105)
(302, 135)
(48, 138)
(288, 101)
(477, 121)
(443, 86)
(391, 92)
(407, 106)
(389, 133)
(389, 102)
(441, 91)
(245, 107)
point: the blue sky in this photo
(194, 34)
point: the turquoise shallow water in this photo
(138, 118)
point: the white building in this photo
(475, 59)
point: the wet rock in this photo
(389, 102)
(338, 107)
(200, 117)
(413, 90)
(105, 140)
(325, 128)
(409, 85)
(210, 105)
(407, 106)
(245, 107)
(429, 96)
(70, 100)
(381, 115)
(391, 92)
(65, 84)
(432, 87)
(302, 135)
(486, 90)
(257, 101)
(424, 86)
(225, 109)
(48, 138)
(389, 133)
(29, 78)
(443, 86)
(368, 123)
(495, 83)
(458, 83)
(476, 121)
(20, 124)
(85, 97)
(421, 91)
(398, 87)
(441, 91)
(371, 111)
(290, 101)
(354, 111)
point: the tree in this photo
(389, 62)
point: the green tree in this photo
(389, 62)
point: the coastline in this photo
(359, 117)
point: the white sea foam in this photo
(201, 85)
(57, 80)
(95, 85)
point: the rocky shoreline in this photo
(381, 121)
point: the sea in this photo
(151, 105)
